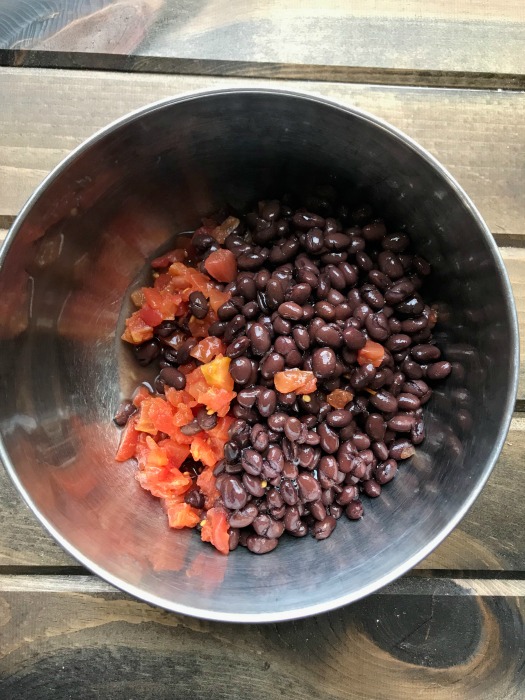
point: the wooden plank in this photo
(485, 540)
(483, 36)
(386, 647)
(476, 134)
(514, 259)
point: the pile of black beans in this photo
(310, 290)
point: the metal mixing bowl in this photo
(81, 242)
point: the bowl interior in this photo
(82, 243)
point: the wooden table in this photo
(449, 74)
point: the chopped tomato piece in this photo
(168, 259)
(208, 348)
(183, 415)
(217, 400)
(177, 454)
(217, 298)
(139, 396)
(128, 441)
(182, 515)
(196, 383)
(339, 398)
(206, 481)
(150, 316)
(203, 450)
(199, 326)
(137, 330)
(162, 301)
(221, 265)
(217, 373)
(176, 398)
(163, 483)
(215, 530)
(156, 415)
(295, 380)
(220, 432)
(373, 353)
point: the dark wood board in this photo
(431, 642)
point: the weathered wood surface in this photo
(478, 135)
(435, 644)
(485, 36)
(488, 539)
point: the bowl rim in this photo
(332, 603)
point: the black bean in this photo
(385, 471)
(251, 310)
(398, 341)
(372, 296)
(217, 328)
(390, 265)
(377, 326)
(324, 528)
(372, 488)
(260, 339)
(301, 337)
(329, 335)
(396, 242)
(290, 311)
(241, 370)
(234, 327)
(125, 411)
(147, 352)
(238, 347)
(401, 423)
(408, 402)
(227, 311)
(425, 353)
(266, 402)
(292, 519)
(329, 440)
(439, 370)
(362, 376)
(194, 498)
(417, 387)
(325, 310)
(354, 510)
(239, 432)
(231, 452)
(261, 545)
(323, 286)
(191, 428)
(348, 494)
(300, 293)
(198, 305)
(401, 449)
(232, 492)
(307, 220)
(361, 441)
(253, 485)
(417, 434)
(309, 488)
(380, 450)
(275, 458)
(343, 311)
(374, 231)
(251, 461)
(259, 438)
(339, 418)
(318, 510)
(384, 401)
(421, 266)
(323, 362)
(353, 338)
(206, 420)
(412, 306)
(282, 326)
(274, 292)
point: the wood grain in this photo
(389, 646)
(482, 36)
(486, 539)
(478, 135)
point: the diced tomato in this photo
(208, 348)
(221, 265)
(220, 432)
(128, 441)
(177, 255)
(206, 481)
(137, 330)
(156, 415)
(176, 398)
(339, 398)
(217, 373)
(217, 298)
(150, 316)
(139, 396)
(199, 326)
(177, 453)
(196, 383)
(203, 450)
(183, 415)
(295, 380)
(180, 438)
(373, 353)
(215, 530)
(163, 483)
(221, 232)
(162, 301)
(182, 515)
(217, 400)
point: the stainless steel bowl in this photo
(81, 242)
